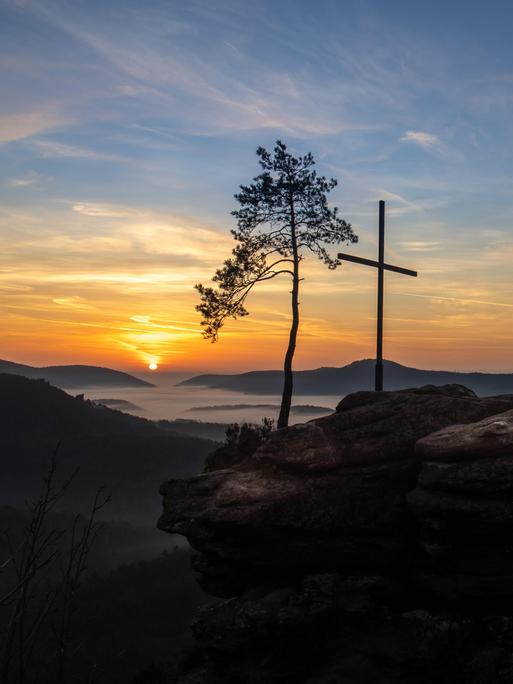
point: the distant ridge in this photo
(295, 408)
(74, 377)
(354, 377)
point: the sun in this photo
(152, 366)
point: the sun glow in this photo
(153, 366)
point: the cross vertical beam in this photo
(378, 377)
(381, 266)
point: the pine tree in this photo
(283, 213)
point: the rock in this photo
(353, 520)
(464, 505)
(491, 437)
(371, 545)
(375, 427)
(254, 638)
(331, 629)
(324, 496)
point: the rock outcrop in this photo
(464, 504)
(349, 554)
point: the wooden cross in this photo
(382, 267)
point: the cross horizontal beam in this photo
(376, 264)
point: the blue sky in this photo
(126, 127)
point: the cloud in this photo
(102, 210)
(18, 126)
(210, 90)
(462, 300)
(75, 303)
(134, 90)
(426, 140)
(399, 205)
(30, 179)
(419, 245)
(48, 148)
(117, 244)
(23, 182)
(149, 224)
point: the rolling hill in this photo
(73, 377)
(354, 377)
(128, 455)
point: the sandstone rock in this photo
(325, 496)
(332, 629)
(374, 427)
(490, 438)
(350, 556)
(464, 505)
(354, 519)
(254, 638)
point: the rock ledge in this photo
(371, 545)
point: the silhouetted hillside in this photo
(196, 428)
(70, 377)
(353, 378)
(128, 455)
(123, 621)
(116, 543)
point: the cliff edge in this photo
(371, 545)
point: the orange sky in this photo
(113, 285)
(126, 128)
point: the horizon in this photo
(153, 376)
(125, 131)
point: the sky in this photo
(126, 128)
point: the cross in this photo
(382, 267)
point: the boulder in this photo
(324, 496)
(464, 504)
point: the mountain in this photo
(72, 377)
(128, 455)
(354, 377)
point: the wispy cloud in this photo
(24, 125)
(50, 148)
(76, 303)
(426, 140)
(226, 88)
(102, 210)
(31, 179)
(419, 245)
(463, 300)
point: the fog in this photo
(168, 401)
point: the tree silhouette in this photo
(282, 213)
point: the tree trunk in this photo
(288, 383)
